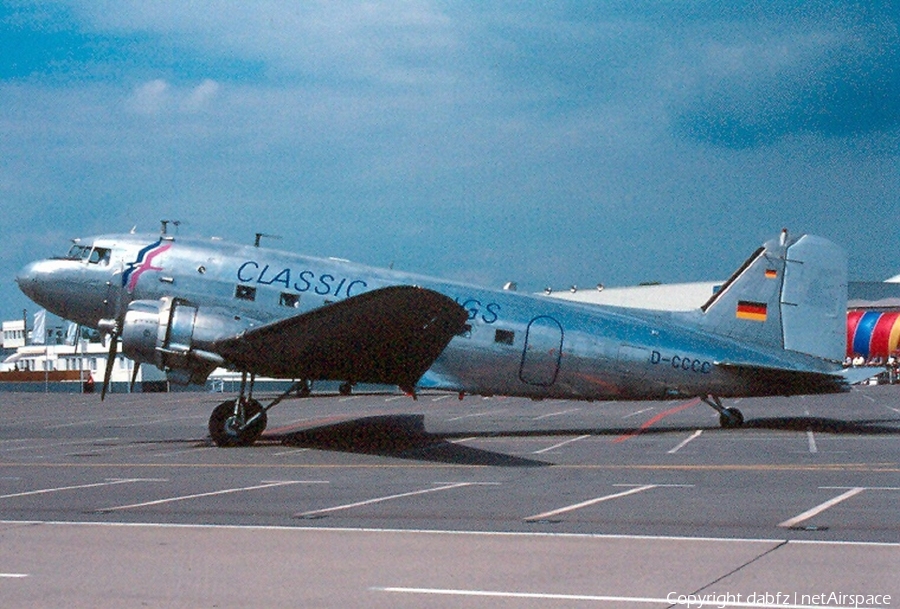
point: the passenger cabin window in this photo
(245, 292)
(289, 300)
(504, 337)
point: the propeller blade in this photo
(77, 338)
(110, 361)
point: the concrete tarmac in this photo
(379, 500)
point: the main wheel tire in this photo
(731, 418)
(224, 428)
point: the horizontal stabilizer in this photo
(388, 336)
(855, 376)
(763, 380)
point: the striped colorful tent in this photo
(872, 333)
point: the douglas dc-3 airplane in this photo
(188, 305)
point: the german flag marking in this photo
(754, 311)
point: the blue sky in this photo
(548, 143)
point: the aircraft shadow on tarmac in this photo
(404, 436)
(824, 425)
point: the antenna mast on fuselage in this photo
(259, 236)
(164, 229)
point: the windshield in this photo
(78, 252)
(94, 255)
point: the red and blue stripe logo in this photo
(143, 263)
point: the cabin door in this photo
(542, 353)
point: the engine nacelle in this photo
(176, 336)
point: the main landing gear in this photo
(729, 418)
(241, 422)
(237, 422)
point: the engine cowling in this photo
(176, 336)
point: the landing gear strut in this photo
(241, 422)
(729, 418)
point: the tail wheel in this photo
(229, 430)
(731, 418)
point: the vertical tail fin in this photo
(790, 294)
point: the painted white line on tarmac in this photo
(531, 595)
(811, 441)
(721, 601)
(163, 421)
(559, 444)
(634, 414)
(13, 575)
(448, 532)
(868, 488)
(290, 452)
(141, 420)
(589, 502)
(183, 451)
(461, 440)
(555, 414)
(477, 414)
(40, 446)
(210, 494)
(348, 506)
(792, 522)
(684, 442)
(58, 489)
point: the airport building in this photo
(55, 354)
(65, 358)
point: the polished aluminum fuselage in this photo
(513, 344)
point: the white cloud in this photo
(200, 96)
(157, 97)
(325, 38)
(150, 97)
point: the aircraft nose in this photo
(68, 288)
(42, 282)
(27, 278)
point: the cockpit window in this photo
(93, 255)
(99, 255)
(78, 252)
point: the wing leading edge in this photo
(388, 336)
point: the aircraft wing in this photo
(390, 336)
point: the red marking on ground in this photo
(656, 419)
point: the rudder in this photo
(814, 298)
